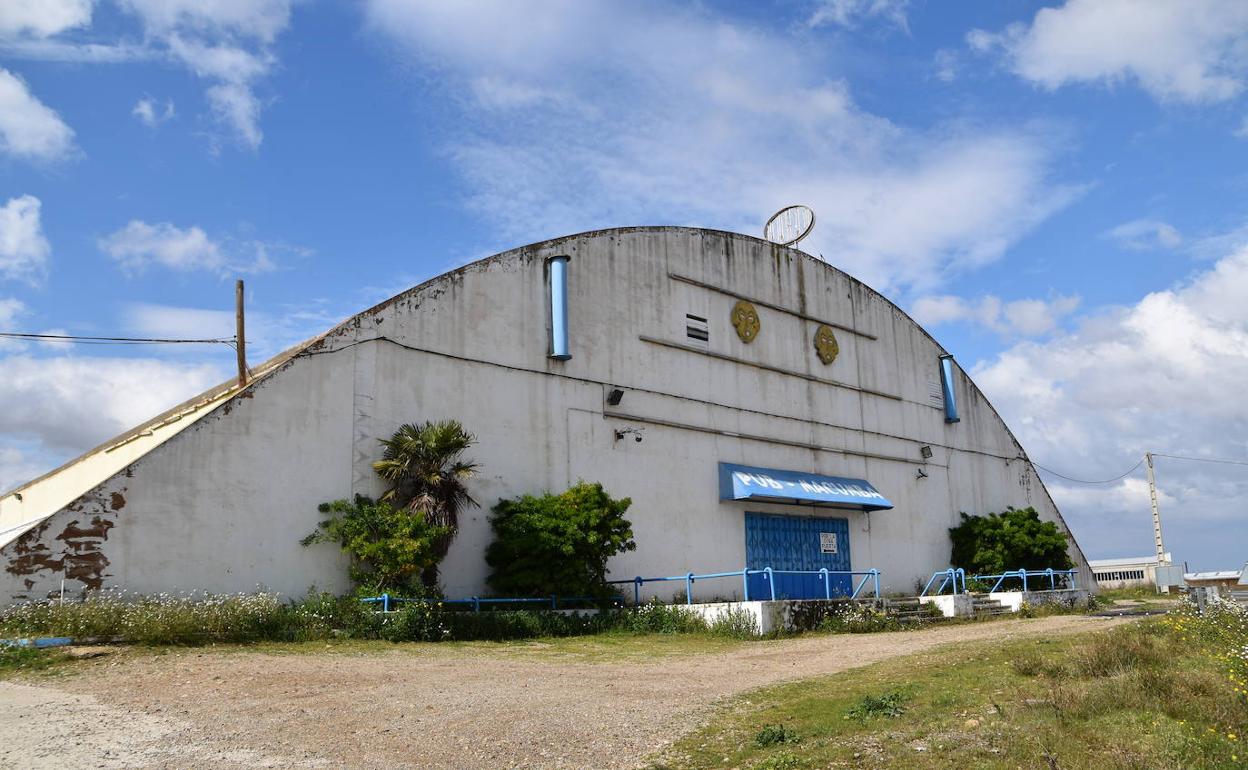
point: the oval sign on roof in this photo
(789, 225)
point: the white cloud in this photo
(23, 248)
(849, 13)
(152, 114)
(1176, 50)
(28, 128)
(139, 244)
(227, 42)
(10, 310)
(71, 404)
(43, 18)
(1165, 375)
(707, 122)
(1019, 318)
(1145, 234)
(17, 467)
(262, 19)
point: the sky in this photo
(1057, 191)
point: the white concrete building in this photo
(1129, 572)
(759, 406)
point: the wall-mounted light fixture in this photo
(614, 397)
(926, 452)
(623, 433)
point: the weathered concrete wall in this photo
(222, 505)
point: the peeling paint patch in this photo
(78, 555)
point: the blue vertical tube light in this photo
(946, 383)
(559, 308)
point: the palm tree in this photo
(426, 473)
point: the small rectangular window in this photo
(696, 328)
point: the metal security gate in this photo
(803, 543)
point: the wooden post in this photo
(240, 333)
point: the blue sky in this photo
(1056, 190)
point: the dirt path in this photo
(418, 707)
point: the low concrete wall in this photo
(952, 606)
(779, 615)
(764, 613)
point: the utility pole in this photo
(240, 345)
(1152, 494)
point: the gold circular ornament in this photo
(826, 345)
(745, 321)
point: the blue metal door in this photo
(803, 543)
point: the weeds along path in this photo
(422, 706)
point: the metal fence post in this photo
(875, 578)
(385, 602)
(476, 604)
(827, 584)
(688, 588)
(771, 580)
(745, 584)
(637, 591)
(1023, 573)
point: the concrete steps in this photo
(909, 610)
(985, 607)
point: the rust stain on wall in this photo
(117, 501)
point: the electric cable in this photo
(1202, 459)
(1088, 481)
(76, 339)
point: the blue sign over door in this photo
(802, 543)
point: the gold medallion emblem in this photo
(825, 344)
(745, 321)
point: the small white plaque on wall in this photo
(827, 542)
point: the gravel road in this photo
(418, 706)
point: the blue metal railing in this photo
(825, 576)
(1023, 574)
(387, 601)
(949, 577)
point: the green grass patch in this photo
(20, 660)
(1153, 694)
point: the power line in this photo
(1087, 481)
(1202, 459)
(80, 340)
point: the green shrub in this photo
(1015, 539)
(772, 735)
(855, 618)
(735, 623)
(557, 544)
(870, 706)
(416, 622)
(656, 618)
(389, 546)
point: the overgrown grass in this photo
(245, 618)
(1166, 693)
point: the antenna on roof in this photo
(789, 225)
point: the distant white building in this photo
(1131, 572)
